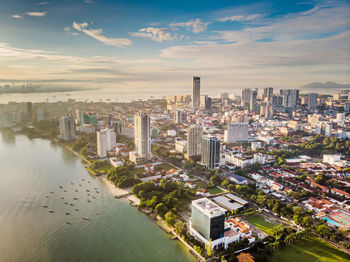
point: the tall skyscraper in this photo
(67, 127)
(196, 92)
(289, 97)
(142, 125)
(210, 152)
(312, 100)
(253, 105)
(101, 143)
(267, 95)
(205, 102)
(29, 108)
(236, 132)
(194, 140)
(245, 100)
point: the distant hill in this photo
(316, 85)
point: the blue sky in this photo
(159, 45)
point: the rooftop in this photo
(208, 207)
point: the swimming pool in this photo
(330, 221)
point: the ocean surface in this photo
(31, 173)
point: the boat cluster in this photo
(91, 193)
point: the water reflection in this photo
(8, 136)
(67, 157)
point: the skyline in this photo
(158, 47)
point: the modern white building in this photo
(194, 141)
(236, 132)
(101, 144)
(142, 125)
(341, 118)
(210, 156)
(180, 146)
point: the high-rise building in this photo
(253, 106)
(194, 140)
(236, 132)
(89, 119)
(267, 95)
(67, 127)
(117, 126)
(106, 140)
(289, 97)
(196, 92)
(245, 99)
(312, 103)
(101, 143)
(207, 221)
(210, 152)
(29, 108)
(180, 117)
(142, 125)
(276, 101)
(205, 102)
(341, 118)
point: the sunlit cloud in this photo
(197, 26)
(240, 18)
(98, 35)
(37, 14)
(42, 3)
(156, 34)
(17, 16)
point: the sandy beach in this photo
(120, 192)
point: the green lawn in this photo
(201, 184)
(136, 171)
(214, 190)
(310, 249)
(164, 167)
(260, 223)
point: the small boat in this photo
(67, 213)
(66, 203)
(51, 192)
(76, 190)
(72, 183)
(62, 197)
(89, 200)
(61, 187)
(76, 209)
(97, 192)
(86, 218)
(71, 204)
(88, 194)
(75, 198)
(79, 185)
(47, 196)
(69, 223)
(45, 206)
(87, 190)
(51, 211)
(65, 191)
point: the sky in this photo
(159, 45)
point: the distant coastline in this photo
(34, 90)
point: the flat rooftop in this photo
(208, 207)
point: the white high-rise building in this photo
(67, 127)
(341, 118)
(194, 140)
(142, 124)
(196, 92)
(101, 143)
(236, 132)
(106, 140)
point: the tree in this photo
(180, 227)
(161, 209)
(170, 218)
(225, 183)
(209, 248)
(307, 221)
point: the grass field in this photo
(260, 223)
(136, 171)
(214, 190)
(164, 167)
(200, 183)
(311, 249)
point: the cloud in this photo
(197, 25)
(88, 1)
(97, 34)
(17, 16)
(156, 34)
(37, 14)
(240, 18)
(42, 3)
(67, 29)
